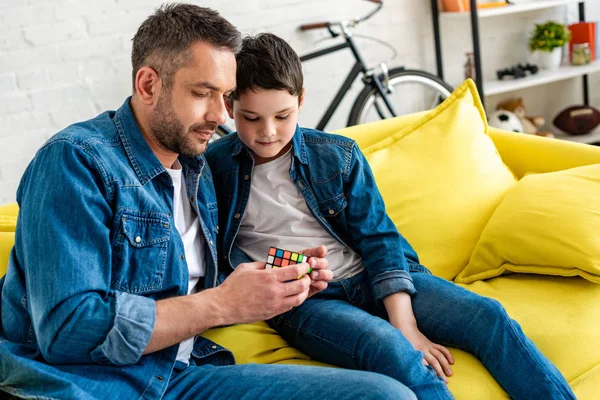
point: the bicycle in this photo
(387, 94)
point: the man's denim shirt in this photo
(95, 247)
(335, 179)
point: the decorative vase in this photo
(552, 59)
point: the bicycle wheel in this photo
(409, 91)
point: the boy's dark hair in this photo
(163, 40)
(267, 62)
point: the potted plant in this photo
(548, 39)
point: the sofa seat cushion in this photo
(559, 314)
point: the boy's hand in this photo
(434, 355)
(401, 316)
(320, 274)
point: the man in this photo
(113, 275)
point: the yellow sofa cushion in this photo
(546, 224)
(258, 344)
(441, 179)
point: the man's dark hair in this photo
(267, 62)
(164, 39)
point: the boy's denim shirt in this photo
(95, 247)
(339, 188)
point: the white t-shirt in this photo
(188, 226)
(277, 215)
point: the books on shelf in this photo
(584, 32)
(465, 5)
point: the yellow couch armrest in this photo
(524, 153)
(7, 240)
(8, 221)
(11, 210)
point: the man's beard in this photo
(170, 132)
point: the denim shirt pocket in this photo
(140, 252)
(213, 211)
(333, 206)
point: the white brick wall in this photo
(62, 61)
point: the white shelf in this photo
(512, 9)
(542, 77)
(592, 137)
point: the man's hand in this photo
(252, 293)
(321, 274)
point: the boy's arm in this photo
(373, 233)
(381, 247)
(401, 316)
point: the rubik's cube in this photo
(278, 258)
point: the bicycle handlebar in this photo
(316, 25)
(353, 22)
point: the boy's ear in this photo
(301, 99)
(229, 107)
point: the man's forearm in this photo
(183, 317)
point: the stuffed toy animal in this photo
(530, 124)
(506, 120)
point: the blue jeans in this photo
(344, 326)
(256, 381)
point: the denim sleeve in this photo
(63, 245)
(373, 233)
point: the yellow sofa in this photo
(560, 314)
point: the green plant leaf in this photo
(548, 36)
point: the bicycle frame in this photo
(358, 68)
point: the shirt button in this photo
(182, 257)
(138, 239)
(213, 347)
(237, 215)
(331, 212)
(160, 378)
(246, 177)
(211, 242)
(301, 185)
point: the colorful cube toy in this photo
(278, 258)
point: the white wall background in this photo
(62, 61)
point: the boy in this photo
(284, 186)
